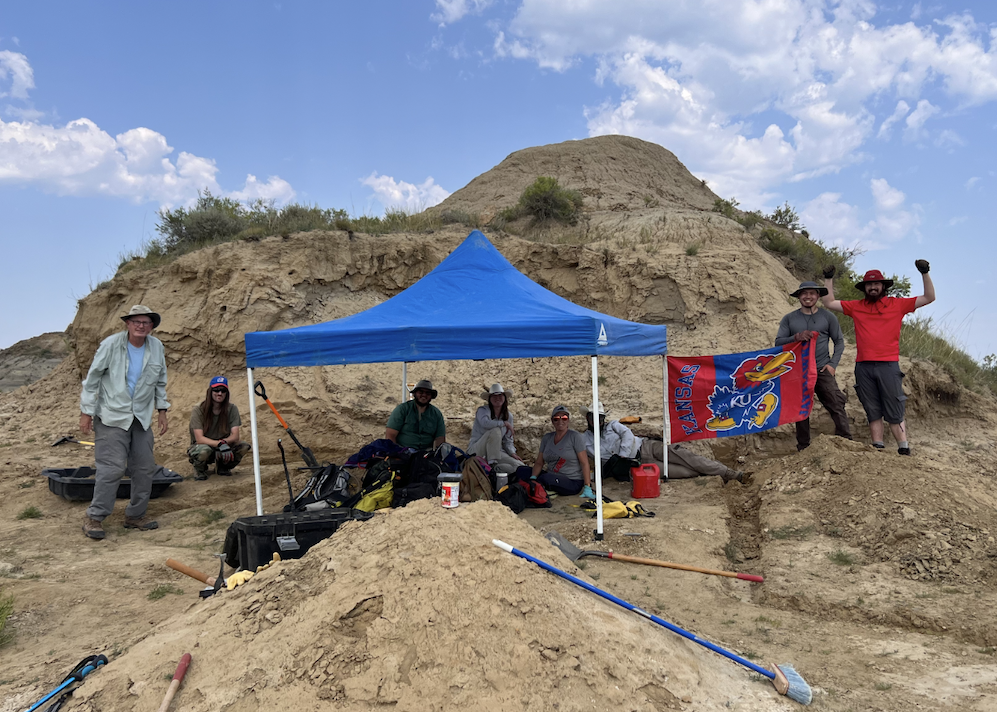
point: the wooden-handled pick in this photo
(192, 572)
(177, 679)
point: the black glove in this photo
(922, 266)
(224, 454)
(829, 272)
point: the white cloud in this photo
(14, 67)
(958, 220)
(275, 189)
(972, 182)
(696, 77)
(917, 118)
(839, 223)
(451, 11)
(886, 197)
(79, 158)
(885, 129)
(406, 196)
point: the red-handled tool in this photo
(177, 679)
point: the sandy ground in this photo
(844, 599)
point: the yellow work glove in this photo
(238, 578)
(274, 560)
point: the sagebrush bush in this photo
(546, 201)
(726, 207)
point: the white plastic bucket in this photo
(450, 489)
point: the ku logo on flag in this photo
(750, 399)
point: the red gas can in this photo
(645, 481)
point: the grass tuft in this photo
(841, 558)
(6, 610)
(162, 590)
(31, 512)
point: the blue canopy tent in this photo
(475, 292)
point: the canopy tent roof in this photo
(474, 305)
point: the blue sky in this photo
(876, 121)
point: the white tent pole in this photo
(256, 444)
(595, 439)
(404, 381)
(665, 424)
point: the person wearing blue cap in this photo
(214, 432)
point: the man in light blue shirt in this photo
(125, 383)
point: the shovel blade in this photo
(566, 547)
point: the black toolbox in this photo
(252, 541)
(76, 483)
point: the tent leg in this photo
(404, 381)
(256, 444)
(665, 425)
(598, 458)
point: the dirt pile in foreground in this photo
(416, 609)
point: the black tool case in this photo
(252, 541)
(76, 483)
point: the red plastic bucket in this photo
(645, 481)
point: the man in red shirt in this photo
(878, 379)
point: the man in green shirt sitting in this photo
(417, 423)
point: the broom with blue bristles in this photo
(784, 678)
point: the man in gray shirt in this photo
(801, 325)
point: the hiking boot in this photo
(93, 528)
(222, 471)
(879, 446)
(142, 523)
(201, 476)
(735, 475)
(903, 451)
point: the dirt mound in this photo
(27, 361)
(416, 609)
(613, 173)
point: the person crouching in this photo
(214, 432)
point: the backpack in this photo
(409, 493)
(474, 483)
(619, 467)
(536, 495)
(422, 469)
(513, 496)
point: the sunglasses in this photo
(560, 417)
(219, 390)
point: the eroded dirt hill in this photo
(879, 569)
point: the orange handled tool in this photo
(306, 454)
(177, 679)
(190, 571)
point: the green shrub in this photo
(786, 217)
(163, 590)
(749, 220)
(692, 249)
(546, 201)
(725, 207)
(6, 610)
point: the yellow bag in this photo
(378, 499)
(615, 510)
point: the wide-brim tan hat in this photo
(139, 310)
(495, 389)
(586, 410)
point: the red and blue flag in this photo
(740, 394)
